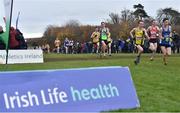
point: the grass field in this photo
(158, 86)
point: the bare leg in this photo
(104, 47)
(140, 51)
(66, 50)
(153, 48)
(109, 47)
(97, 49)
(163, 49)
(57, 49)
(168, 51)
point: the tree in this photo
(127, 15)
(139, 12)
(114, 18)
(72, 23)
(79, 33)
(50, 34)
(120, 25)
(172, 14)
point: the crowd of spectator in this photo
(117, 46)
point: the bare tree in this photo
(127, 15)
(114, 18)
(172, 14)
(72, 23)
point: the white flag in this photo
(8, 5)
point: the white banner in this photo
(22, 56)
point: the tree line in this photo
(119, 25)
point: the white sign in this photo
(21, 56)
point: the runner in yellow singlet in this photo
(95, 38)
(139, 33)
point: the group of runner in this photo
(153, 34)
(102, 39)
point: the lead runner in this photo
(139, 33)
(104, 34)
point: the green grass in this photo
(158, 86)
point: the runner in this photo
(153, 32)
(165, 39)
(57, 43)
(95, 37)
(104, 31)
(139, 33)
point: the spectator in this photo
(43, 48)
(113, 46)
(121, 44)
(21, 40)
(66, 45)
(14, 44)
(176, 39)
(79, 47)
(57, 43)
(71, 46)
(47, 48)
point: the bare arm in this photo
(108, 33)
(147, 36)
(160, 34)
(92, 35)
(131, 33)
(158, 31)
(148, 29)
(171, 31)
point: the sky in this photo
(36, 15)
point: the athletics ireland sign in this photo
(74, 90)
(21, 56)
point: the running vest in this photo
(166, 34)
(153, 32)
(104, 34)
(139, 36)
(166, 41)
(96, 36)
